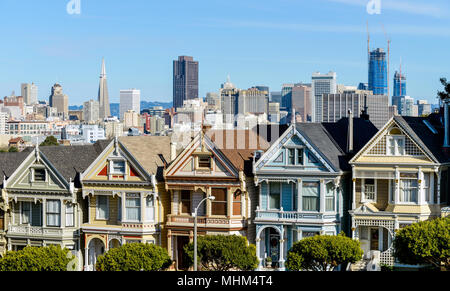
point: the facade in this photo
(60, 101)
(124, 196)
(286, 97)
(103, 95)
(303, 186)
(29, 93)
(213, 100)
(28, 128)
(92, 133)
(423, 108)
(399, 84)
(185, 80)
(321, 84)
(253, 101)
(301, 102)
(131, 119)
(398, 178)
(130, 100)
(91, 111)
(3, 122)
(378, 78)
(210, 165)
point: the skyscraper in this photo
(60, 101)
(130, 100)
(286, 97)
(185, 80)
(29, 93)
(91, 111)
(399, 84)
(301, 101)
(378, 79)
(103, 96)
(321, 84)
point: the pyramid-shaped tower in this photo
(103, 97)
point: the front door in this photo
(274, 246)
(181, 255)
(374, 239)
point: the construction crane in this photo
(388, 56)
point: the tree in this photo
(50, 141)
(223, 253)
(13, 150)
(134, 257)
(51, 258)
(446, 93)
(426, 242)
(323, 253)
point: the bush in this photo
(426, 242)
(134, 257)
(323, 253)
(223, 253)
(51, 258)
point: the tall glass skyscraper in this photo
(399, 84)
(378, 79)
(185, 80)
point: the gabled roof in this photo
(9, 162)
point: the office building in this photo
(185, 80)
(321, 84)
(92, 133)
(29, 93)
(363, 86)
(286, 97)
(91, 111)
(213, 100)
(424, 108)
(103, 96)
(378, 78)
(130, 119)
(275, 97)
(274, 112)
(399, 84)
(301, 102)
(60, 101)
(253, 101)
(130, 100)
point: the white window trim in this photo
(60, 213)
(140, 207)
(363, 191)
(334, 197)
(320, 195)
(151, 219)
(396, 154)
(73, 215)
(97, 216)
(400, 192)
(268, 197)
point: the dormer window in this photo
(39, 175)
(295, 156)
(395, 142)
(118, 167)
(204, 162)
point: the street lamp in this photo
(212, 198)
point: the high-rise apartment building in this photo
(399, 84)
(60, 101)
(103, 96)
(130, 100)
(378, 78)
(424, 108)
(253, 101)
(336, 106)
(91, 111)
(321, 84)
(29, 93)
(286, 97)
(405, 105)
(4, 116)
(301, 102)
(185, 80)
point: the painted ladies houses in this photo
(400, 177)
(302, 185)
(41, 196)
(123, 195)
(217, 164)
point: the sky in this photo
(256, 42)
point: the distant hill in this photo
(144, 105)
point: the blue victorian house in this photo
(303, 181)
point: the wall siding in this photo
(264, 193)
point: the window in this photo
(26, 212)
(299, 156)
(204, 162)
(53, 213)
(102, 207)
(186, 201)
(329, 198)
(237, 203)
(118, 167)
(396, 145)
(149, 208)
(39, 175)
(70, 220)
(219, 205)
(291, 156)
(426, 187)
(133, 207)
(408, 188)
(310, 196)
(274, 195)
(369, 190)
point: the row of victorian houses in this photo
(273, 185)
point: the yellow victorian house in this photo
(399, 178)
(124, 196)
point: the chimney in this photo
(173, 151)
(446, 124)
(350, 132)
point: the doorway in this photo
(182, 262)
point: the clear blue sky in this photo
(257, 42)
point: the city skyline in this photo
(70, 54)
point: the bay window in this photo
(220, 204)
(237, 203)
(102, 207)
(369, 190)
(329, 198)
(53, 213)
(186, 201)
(70, 213)
(133, 207)
(408, 188)
(26, 212)
(426, 187)
(274, 195)
(310, 196)
(150, 208)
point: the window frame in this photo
(113, 167)
(363, 191)
(395, 139)
(48, 213)
(280, 190)
(401, 193)
(137, 197)
(97, 200)
(327, 196)
(183, 201)
(317, 198)
(70, 206)
(216, 201)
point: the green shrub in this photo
(134, 257)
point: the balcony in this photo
(291, 216)
(37, 231)
(219, 222)
(138, 228)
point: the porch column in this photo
(299, 195)
(258, 252)
(420, 192)
(169, 244)
(282, 240)
(322, 196)
(397, 186)
(86, 258)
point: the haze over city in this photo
(255, 42)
